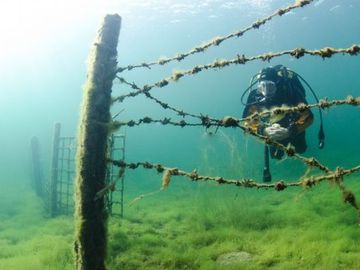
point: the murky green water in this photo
(189, 225)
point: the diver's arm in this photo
(253, 124)
(304, 120)
(252, 107)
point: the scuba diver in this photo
(278, 87)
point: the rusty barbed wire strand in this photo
(161, 103)
(243, 182)
(325, 52)
(322, 104)
(149, 120)
(218, 40)
(336, 176)
(229, 121)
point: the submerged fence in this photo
(61, 185)
(96, 182)
(57, 191)
(62, 174)
(115, 198)
(37, 182)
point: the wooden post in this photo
(54, 171)
(95, 119)
(122, 187)
(36, 167)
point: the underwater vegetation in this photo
(29, 240)
(189, 226)
(294, 230)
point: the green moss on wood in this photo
(90, 242)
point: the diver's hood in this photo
(270, 74)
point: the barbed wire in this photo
(229, 121)
(325, 52)
(335, 176)
(208, 121)
(218, 40)
(161, 103)
(322, 104)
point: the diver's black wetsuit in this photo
(290, 92)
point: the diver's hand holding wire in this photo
(277, 132)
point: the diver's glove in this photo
(277, 132)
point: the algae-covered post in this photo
(90, 213)
(54, 171)
(36, 167)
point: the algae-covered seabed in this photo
(189, 225)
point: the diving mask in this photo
(266, 88)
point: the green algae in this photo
(192, 231)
